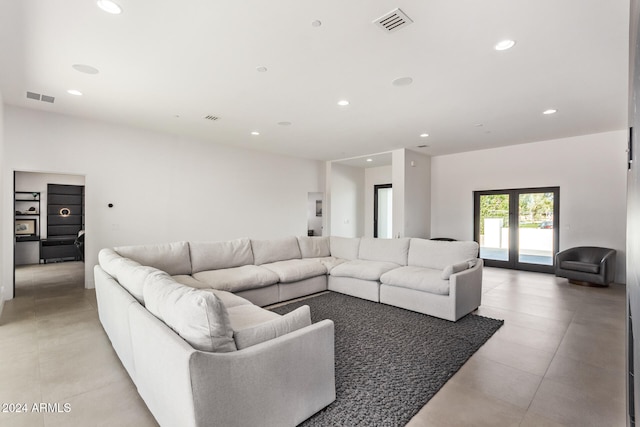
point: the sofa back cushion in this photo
(314, 247)
(199, 317)
(389, 250)
(172, 258)
(218, 255)
(265, 251)
(439, 254)
(344, 247)
(297, 319)
(129, 273)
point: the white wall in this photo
(373, 176)
(29, 252)
(398, 162)
(163, 187)
(411, 194)
(590, 171)
(347, 201)
(417, 195)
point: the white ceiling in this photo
(161, 59)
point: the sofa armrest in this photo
(280, 382)
(608, 267)
(162, 375)
(465, 288)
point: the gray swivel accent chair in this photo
(587, 265)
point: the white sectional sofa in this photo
(186, 321)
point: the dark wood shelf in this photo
(27, 238)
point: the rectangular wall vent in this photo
(393, 21)
(212, 118)
(38, 97)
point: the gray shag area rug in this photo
(389, 361)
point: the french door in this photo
(518, 228)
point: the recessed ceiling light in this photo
(478, 125)
(504, 45)
(316, 23)
(261, 69)
(402, 81)
(254, 133)
(74, 92)
(423, 146)
(549, 111)
(424, 135)
(369, 160)
(109, 7)
(343, 103)
(87, 69)
(284, 123)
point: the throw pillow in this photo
(199, 317)
(297, 319)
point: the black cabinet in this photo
(65, 219)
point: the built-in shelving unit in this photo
(27, 216)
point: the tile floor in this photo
(557, 361)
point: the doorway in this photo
(518, 228)
(383, 211)
(49, 232)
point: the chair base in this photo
(583, 283)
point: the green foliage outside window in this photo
(533, 209)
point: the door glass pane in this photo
(385, 208)
(535, 225)
(494, 227)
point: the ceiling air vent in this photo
(38, 97)
(212, 118)
(393, 21)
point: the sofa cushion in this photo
(172, 258)
(296, 269)
(439, 254)
(391, 250)
(188, 280)
(344, 247)
(218, 255)
(297, 319)
(314, 247)
(247, 316)
(238, 278)
(199, 317)
(132, 279)
(124, 270)
(453, 269)
(361, 269)
(329, 262)
(109, 261)
(229, 299)
(418, 278)
(585, 267)
(265, 251)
